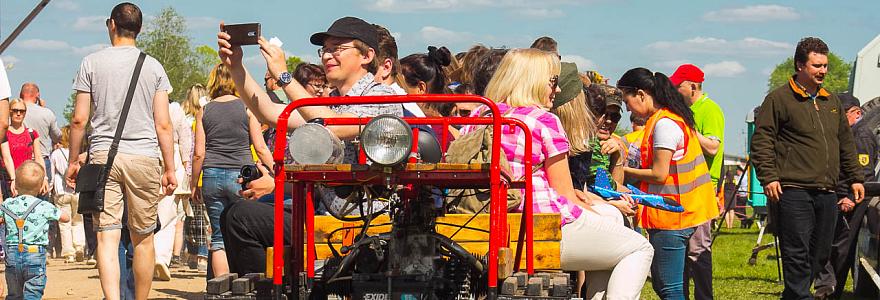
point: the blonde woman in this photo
(195, 227)
(225, 131)
(524, 86)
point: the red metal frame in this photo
(303, 181)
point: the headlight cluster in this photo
(387, 140)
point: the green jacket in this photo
(802, 141)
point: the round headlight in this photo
(314, 144)
(387, 140)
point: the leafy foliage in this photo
(837, 79)
(165, 38)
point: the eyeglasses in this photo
(554, 82)
(319, 86)
(335, 50)
(18, 111)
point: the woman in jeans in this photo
(524, 87)
(672, 165)
(225, 131)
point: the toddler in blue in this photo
(27, 233)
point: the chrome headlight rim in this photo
(407, 147)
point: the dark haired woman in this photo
(672, 165)
(423, 74)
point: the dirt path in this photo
(80, 281)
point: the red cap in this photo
(686, 72)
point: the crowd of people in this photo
(173, 188)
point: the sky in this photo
(736, 43)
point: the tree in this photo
(292, 62)
(207, 58)
(837, 79)
(68, 108)
(165, 39)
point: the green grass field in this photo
(734, 278)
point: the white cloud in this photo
(708, 45)
(59, 46)
(668, 67)
(40, 44)
(582, 63)
(90, 23)
(89, 49)
(442, 36)
(405, 6)
(724, 69)
(68, 5)
(540, 13)
(202, 22)
(753, 13)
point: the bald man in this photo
(41, 119)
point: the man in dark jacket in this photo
(801, 146)
(832, 278)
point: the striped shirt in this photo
(548, 140)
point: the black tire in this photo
(871, 114)
(863, 285)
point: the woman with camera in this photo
(225, 131)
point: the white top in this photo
(5, 90)
(59, 159)
(667, 135)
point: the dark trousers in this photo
(806, 227)
(248, 229)
(843, 250)
(91, 235)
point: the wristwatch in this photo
(284, 78)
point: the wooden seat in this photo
(547, 234)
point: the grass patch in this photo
(734, 278)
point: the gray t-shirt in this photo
(42, 120)
(107, 74)
(227, 138)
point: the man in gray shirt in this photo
(136, 174)
(40, 119)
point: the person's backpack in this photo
(476, 147)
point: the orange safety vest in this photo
(688, 182)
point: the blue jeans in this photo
(667, 268)
(25, 273)
(126, 260)
(219, 190)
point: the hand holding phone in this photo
(243, 34)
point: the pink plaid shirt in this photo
(548, 140)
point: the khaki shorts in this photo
(134, 183)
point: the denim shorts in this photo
(25, 273)
(219, 190)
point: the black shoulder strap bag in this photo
(92, 178)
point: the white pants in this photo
(169, 215)
(616, 258)
(73, 235)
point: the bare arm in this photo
(710, 146)
(617, 162)
(658, 171)
(257, 140)
(198, 150)
(253, 94)
(165, 136)
(4, 118)
(81, 110)
(559, 178)
(7, 162)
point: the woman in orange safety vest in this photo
(672, 165)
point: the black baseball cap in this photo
(349, 27)
(847, 101)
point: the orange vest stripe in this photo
(688, 182)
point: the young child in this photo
(27, 228)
